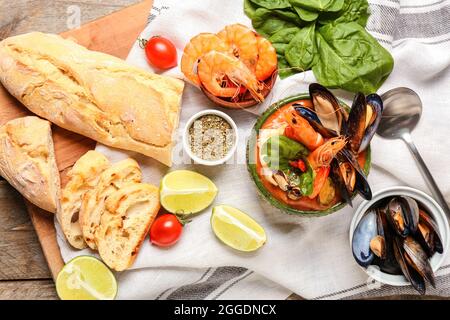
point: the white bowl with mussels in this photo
(395, 196)
(210, 137)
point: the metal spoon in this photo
(401, 113)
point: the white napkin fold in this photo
(308, 256)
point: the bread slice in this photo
(126, 221)
(27, 161)
(93, 204)
(83, 177)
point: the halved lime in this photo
(86, 278)
(186, 192)
(236, 229)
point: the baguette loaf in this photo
(93, 204)
(92, 93)
(83, 177)
(126, 221)
(27, 161)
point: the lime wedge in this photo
(236, 229)
(86, 278)
(186, 192)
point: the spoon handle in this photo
(426, 174)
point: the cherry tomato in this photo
(166, 230)
(161, 53)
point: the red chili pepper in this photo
(299, 164)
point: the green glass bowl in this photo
(251, 145)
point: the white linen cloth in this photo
(308, 256)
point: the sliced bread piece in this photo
(93, 204)
(27, 161)
(83, 177)
(126, 221)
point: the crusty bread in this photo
(126, 221)
(27, 161)
(83, 177)
(92, 93)
(93, 204)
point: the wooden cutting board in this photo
(114, 34)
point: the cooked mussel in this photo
(374, 110)
(409, 272)
(428, 234)
(363, 121)
(399, 237)
(365, 231)
(327, 108)
(417, 258)
(314, 121)
(361, 183)
(340, 182)
(403, 215)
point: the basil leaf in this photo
(352, 10)
(306, 184)
(249, 9)
(284, 69)
(278, 150)
(304, 181)
(312, 5)
(336, 6)
(306, 15)
(266, 22)
(359, 62)
(281, 39)
(272, 4)
(301, 51)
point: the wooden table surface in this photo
(24, 273)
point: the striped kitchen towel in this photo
(310, 257)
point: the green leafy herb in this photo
(306, 15)
(359, 62)
(304, 181)
(272, 4)
(282, 38)
(313, 5)
(249, 9)
(327, 36)
(301, 50)
(352, 10)
(266, 22)
(278, 150)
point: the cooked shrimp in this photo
(267, 59)
(195, 49)
(323, 155)
(243, 42)
(300, 130)
(216, 68)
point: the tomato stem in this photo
(142, 42)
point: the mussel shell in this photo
(372, 101)
(331, 118)
(418, 259)
(365, 231)
(389, 264)
(314, 121)
(416, 280)
(356, 123)
(361, 185)
(339, 182)
(433, 243)
(403, 215)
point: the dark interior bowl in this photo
(248, 100)
(251, 145)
